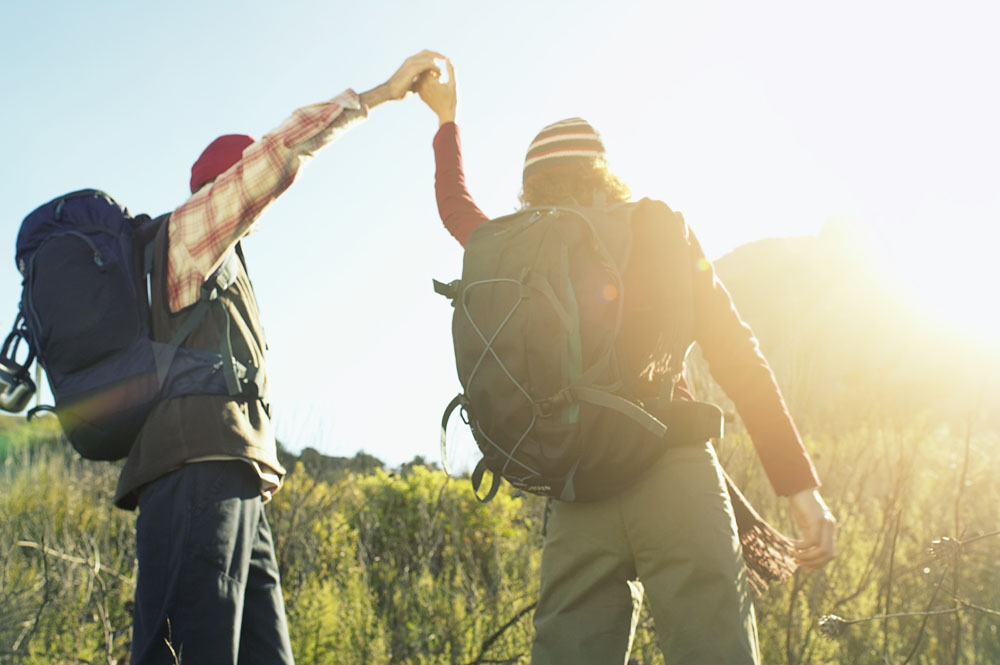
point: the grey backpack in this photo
(536, 330)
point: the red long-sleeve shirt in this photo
(727, 343)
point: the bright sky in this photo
(754, 119)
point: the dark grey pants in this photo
(208, 579)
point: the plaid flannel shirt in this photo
(208, 225)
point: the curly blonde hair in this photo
(574, 183)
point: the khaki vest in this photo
(194, 426)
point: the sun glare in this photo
(948, 273)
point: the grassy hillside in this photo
(408, 568)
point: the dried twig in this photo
(170, 647)
(797, 584)
(957, 570)
(32, 626)
(94, 566)
(923, 623)
(971, 606)
(979, 537)
(888, 587)
(488, 642)
(832, 626)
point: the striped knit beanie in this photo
(562, 143)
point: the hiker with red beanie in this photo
(203, 466)
(680, 527)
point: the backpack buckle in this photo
(16, 386)
(449, 290)
(545, 408)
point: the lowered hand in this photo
(818, 528)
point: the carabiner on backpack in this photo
(16, 386)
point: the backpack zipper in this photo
(98, 257)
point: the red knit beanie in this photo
(220, 154)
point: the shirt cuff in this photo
(446, 131)
(351, 100)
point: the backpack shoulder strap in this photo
(243, 258)
(676, 270)
(146, 229)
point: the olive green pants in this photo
(674, 530)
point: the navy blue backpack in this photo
(86, 317)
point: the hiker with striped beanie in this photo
(562, 143)
(680, 526)
(566, 162)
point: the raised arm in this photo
(205, 228)
(458, 211)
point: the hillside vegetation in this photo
(405, 566)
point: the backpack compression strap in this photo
(461, 402)
(477, 481)
(621, 405)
